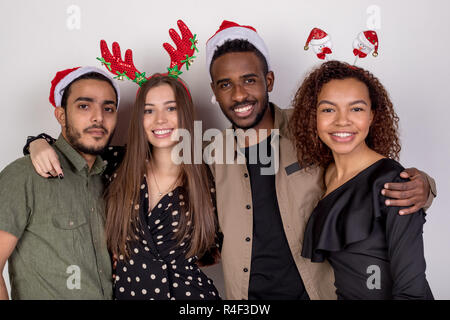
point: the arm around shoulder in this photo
(433, 191)
(43, 157)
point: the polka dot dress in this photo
(157, 268)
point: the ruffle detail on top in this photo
(347, 215)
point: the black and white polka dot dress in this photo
(157, 268)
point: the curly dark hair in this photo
(383, 132)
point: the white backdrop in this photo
(40, 37)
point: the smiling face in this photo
(160, 116)
(90, 117)
(241, 88)
(344, 115)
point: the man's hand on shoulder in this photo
(413, 194)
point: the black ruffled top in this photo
(375, 253)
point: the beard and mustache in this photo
(74, 138)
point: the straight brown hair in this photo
(122, 196)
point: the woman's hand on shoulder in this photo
(45, 160)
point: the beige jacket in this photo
(298, 192)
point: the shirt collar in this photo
(75, 158)
(281, 120)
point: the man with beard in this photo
(263, 216)
(52, 230)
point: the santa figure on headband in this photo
(365, 43)
(320, 42)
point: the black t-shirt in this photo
(273, 274)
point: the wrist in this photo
(30, 139)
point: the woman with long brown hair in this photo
(160, 215)
(344, 122)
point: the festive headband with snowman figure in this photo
(125, 69)
(364, 43)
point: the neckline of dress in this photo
(354, 178)
(162, 197)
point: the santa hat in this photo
(229, 30)
(65, 77)
(370, 39)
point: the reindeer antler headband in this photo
(183, 54)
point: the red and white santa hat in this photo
(229, 30)
(65, 77)
(369, 38)
(317, 37)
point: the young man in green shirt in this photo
(51, 230)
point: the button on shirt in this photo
(61, 252)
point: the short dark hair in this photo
(238, 45)
(86, 76)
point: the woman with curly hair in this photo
(344, 122)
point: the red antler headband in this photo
(183, 54)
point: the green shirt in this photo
(61, 252)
